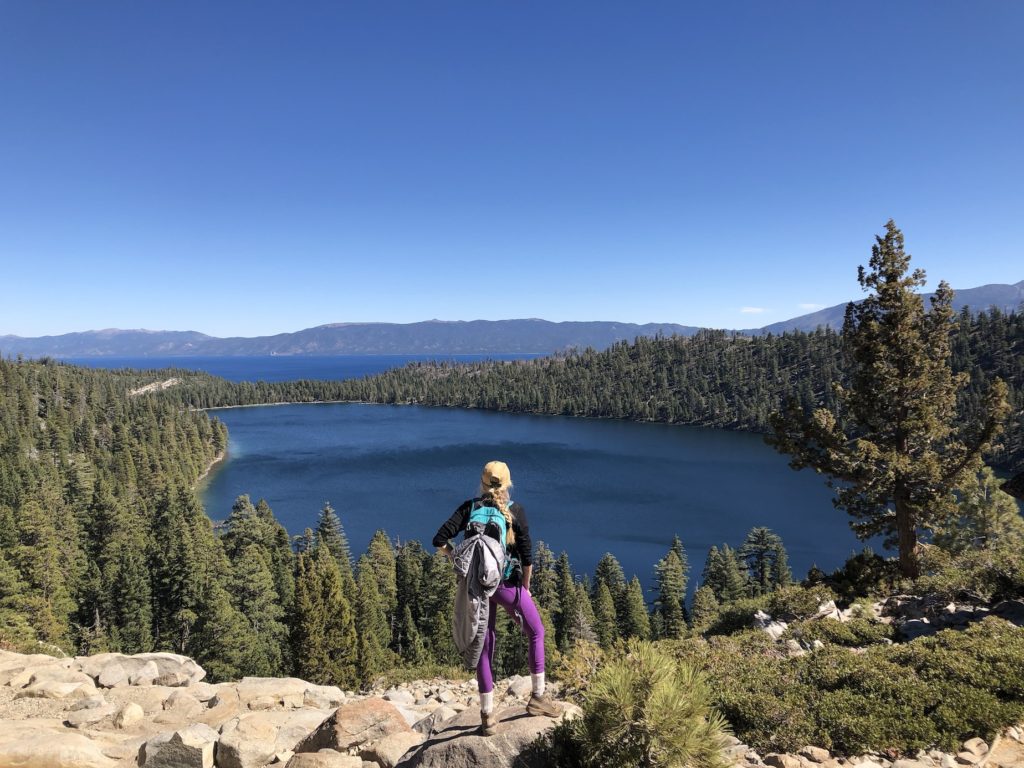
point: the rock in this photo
(354, 725)
(915, 628)
(180, 699)
(967, 758)
(151, 698)
(458, 744)
(399, 696)
(815, 754)
(80, 718)
(54, 689)
(144, 673)
(112, 676)
(428, 724)
(776, 760)
(793, 649)
(906, 762)
(948, 761)
(191, 747)
(521, 686)
(410, 716)
(173, 669)
(445, 696)
(323, 697)
(90, 702)
(203, 691)
(259, 693)
(389, 751)
(26, 745)
(1011, 610)
(326, 758)
(827, 610)
(976, 746)
(252, 739)
(128, 715)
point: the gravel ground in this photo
(23, 709)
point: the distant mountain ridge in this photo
(426, 338)
(1006, 298)
(431, 337)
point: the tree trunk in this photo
(907, 533)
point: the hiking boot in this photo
(542, 705)
(487, 724)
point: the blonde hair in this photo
(500, 499)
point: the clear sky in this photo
(246, 168)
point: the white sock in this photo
(487, 702)
(538, 684)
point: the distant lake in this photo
(589, 486)
(283, 367)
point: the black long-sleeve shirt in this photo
(522, 547)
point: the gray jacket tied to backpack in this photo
(479, 561)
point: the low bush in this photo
(864, 573)
(787, 604)
(978, 575)
(931, 692)
(855, 633)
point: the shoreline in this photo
(205, 476)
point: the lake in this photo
(589, 486)
(282, 367)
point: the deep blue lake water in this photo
(589, 486)
(282, 367)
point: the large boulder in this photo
(459, 745)
(389, 751)
(355, 725)
(258, 693)
(251, 740)
(191, 747)
(326, 758)
(39, 744)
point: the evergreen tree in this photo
(984, 517)
(705, 607)
(765, 559)
(341, 641)
(724, 574)
(411, 647)
(605, 619)
(254, 596)
(372, 620)
(543, 580)
(331, 534)
(410, 563)
(891, 447)
(221, 636)
(567, 609)
(308, 626)
(671, 595)
(637, 622)
(438, 605)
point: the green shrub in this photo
(648, 710)
(935, 691)
(980, 575)
(575, 669)
(796, 602)
(855, 633)
(864, 573)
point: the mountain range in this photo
(435, 337)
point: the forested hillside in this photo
(713, 379)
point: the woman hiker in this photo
(495, 485)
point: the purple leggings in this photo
(526, 616)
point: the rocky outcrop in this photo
(154, 710)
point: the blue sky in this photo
(249, 168)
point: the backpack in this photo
(491, 522)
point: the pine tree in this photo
(254, 596)
(891, 448)
(410, 642)
(340, 638)
(331, 534)
(605, 619)
(438, 605)
(567, 609)
(985, 517)
(308, 632)
(374, 629)
(637, 622)
(381, 557)
(221, 636)
(543, 580)
(764, 556)
(724, 574)
(410, 563)
(671, 595)
(705, 607)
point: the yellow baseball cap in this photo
(496, 475)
